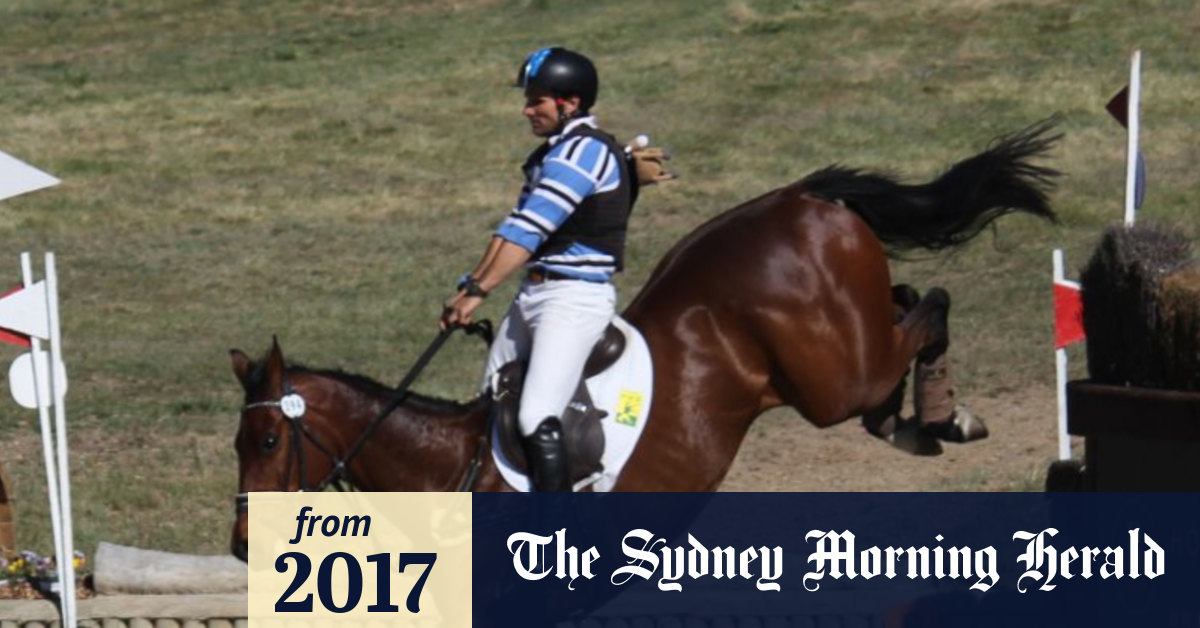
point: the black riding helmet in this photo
(562, 73)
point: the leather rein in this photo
(292, 406)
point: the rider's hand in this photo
(650, 166)
(458, 309)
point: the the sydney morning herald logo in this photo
(649, 557)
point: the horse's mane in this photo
(367, 386)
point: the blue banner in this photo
(836, 559)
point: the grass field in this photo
(324, 170)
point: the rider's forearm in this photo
(504, 261)
(490, 254)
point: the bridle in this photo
(293, 408)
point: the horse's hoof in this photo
(881, 426)
(906, 436)
(963, 427)
(911, 439)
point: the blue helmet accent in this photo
(534, 63)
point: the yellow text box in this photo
(334, 559)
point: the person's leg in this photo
(567, 318)
(512, 342)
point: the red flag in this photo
(1118, 106)
(1068, 315)
(11, 337)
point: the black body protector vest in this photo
(601, 220)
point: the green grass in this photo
(323, 171)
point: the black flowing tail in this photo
(957, 205)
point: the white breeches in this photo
(553, 325)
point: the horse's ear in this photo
(275, 366)
(242, 365)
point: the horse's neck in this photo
(418, 447)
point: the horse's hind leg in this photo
(881, 421)
(887, 421)
(933, 390)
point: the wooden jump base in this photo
(1137, 439)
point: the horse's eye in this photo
(269, 442)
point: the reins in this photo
(339, 472)
(292, 406)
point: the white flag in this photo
(18, 177)
(24, 311)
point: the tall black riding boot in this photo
(547, 457)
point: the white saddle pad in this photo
(623, 392)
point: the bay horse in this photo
(783, 300)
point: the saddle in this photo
(583, 436)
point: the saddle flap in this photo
(506, 402)
(583, 435)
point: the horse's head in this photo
(283, 441)
(303, 429)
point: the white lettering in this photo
(639, 555)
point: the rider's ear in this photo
(570, 104)
(241, 365)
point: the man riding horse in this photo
(568, 231)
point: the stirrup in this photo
(547, 457)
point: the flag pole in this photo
(60, 419)
(48, 449)
(1060, 365)
(1133, 126)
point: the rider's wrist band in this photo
(472, 288)
(462, 281)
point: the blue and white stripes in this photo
(574, 169)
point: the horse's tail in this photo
(957, 205)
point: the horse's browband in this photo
(291, 405)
